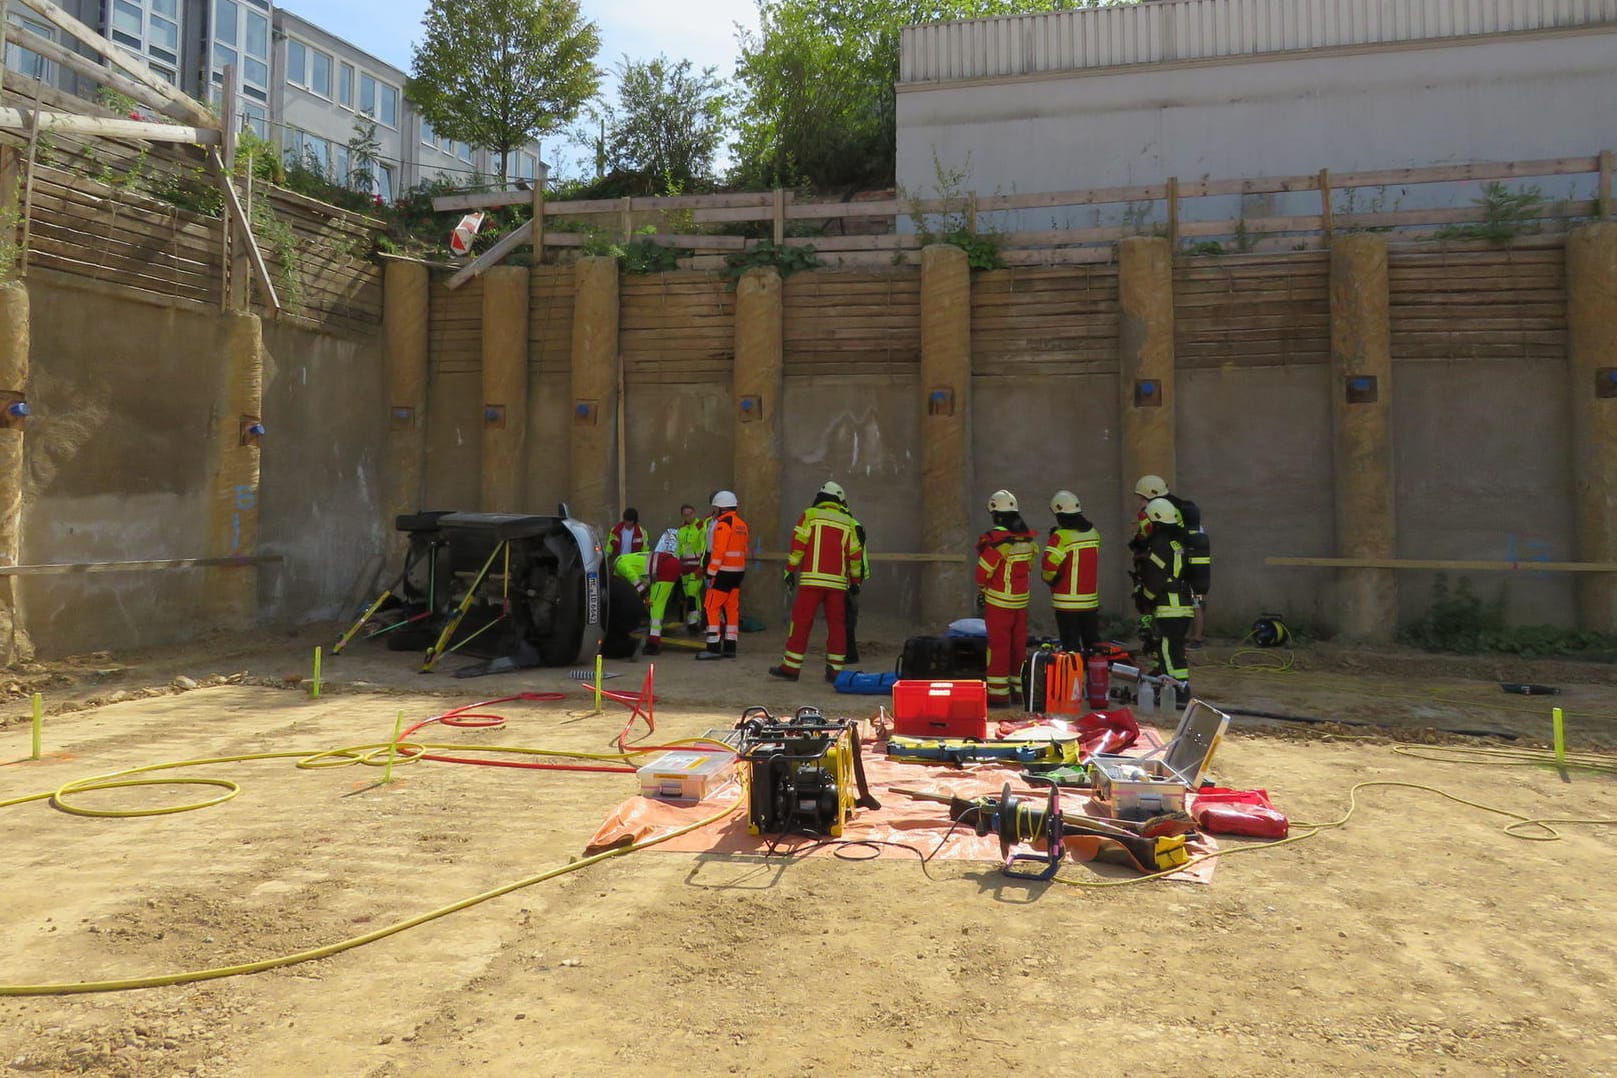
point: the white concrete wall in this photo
(1524, 97)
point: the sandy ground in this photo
(1417, 939)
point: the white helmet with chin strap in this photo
(724, 499)
(1002, 501)
(1162, 511)
(1151, 486)
(1065, 503)
(833, 489)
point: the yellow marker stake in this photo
(314, 688)
(597, 683)
(1560, 736)
(393, 748)
(39, 721)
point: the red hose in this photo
(458, 717)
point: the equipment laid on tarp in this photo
(518, 590)
(686, 774)
(801, 776)
(961, 751)
(941, 709)
(1139, 786)
(1025, 820)
(1053, 682)
(1250, 813)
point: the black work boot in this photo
(729, 649)
(712, 652)
(831, 673)
(653, 647)
(783, 673)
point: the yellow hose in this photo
(374, 755)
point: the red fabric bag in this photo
(1221, 811)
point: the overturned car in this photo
(512, 589)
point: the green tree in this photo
(669, 123)
(818, 78)
(501, 73)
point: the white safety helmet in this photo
(724, 499)
(1162, 511)
(1002, 501)
(1151, 486)
(1065, 503)
(833, 489)
(668, 542)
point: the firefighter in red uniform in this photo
(627, 536)
(1072, 569)
(1005, 557)
(726, 565)
(828, 558)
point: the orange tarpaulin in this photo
(922, 826)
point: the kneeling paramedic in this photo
(828, 559)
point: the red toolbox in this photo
(941, 709)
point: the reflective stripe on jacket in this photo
(692, 545)
(826, 552)
(1005, 567)
(1072, 568)
(728, 552)
(1162, 577)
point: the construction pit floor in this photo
(1418, 938)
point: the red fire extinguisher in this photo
(1098, 680)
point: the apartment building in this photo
(316, 96)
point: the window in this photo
(240, 37)
(127, 22)
(297, 62)
(320, 73)
(344, 169)
(384, 182)
(378, 99)
(463, 150)
(257, 36)
(30, 63)
(255, 117)
(428, 136)
(226, 20)
(345, 85)
(304, 150)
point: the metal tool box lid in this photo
(1194, 740)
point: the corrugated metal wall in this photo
(1170, 30)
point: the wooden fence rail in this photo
(1079, 244)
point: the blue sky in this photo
(702, 31)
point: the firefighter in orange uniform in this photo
(1072, 569)
(1005, 557)
(828, 558)
(726, 565)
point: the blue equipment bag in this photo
(860, 683)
